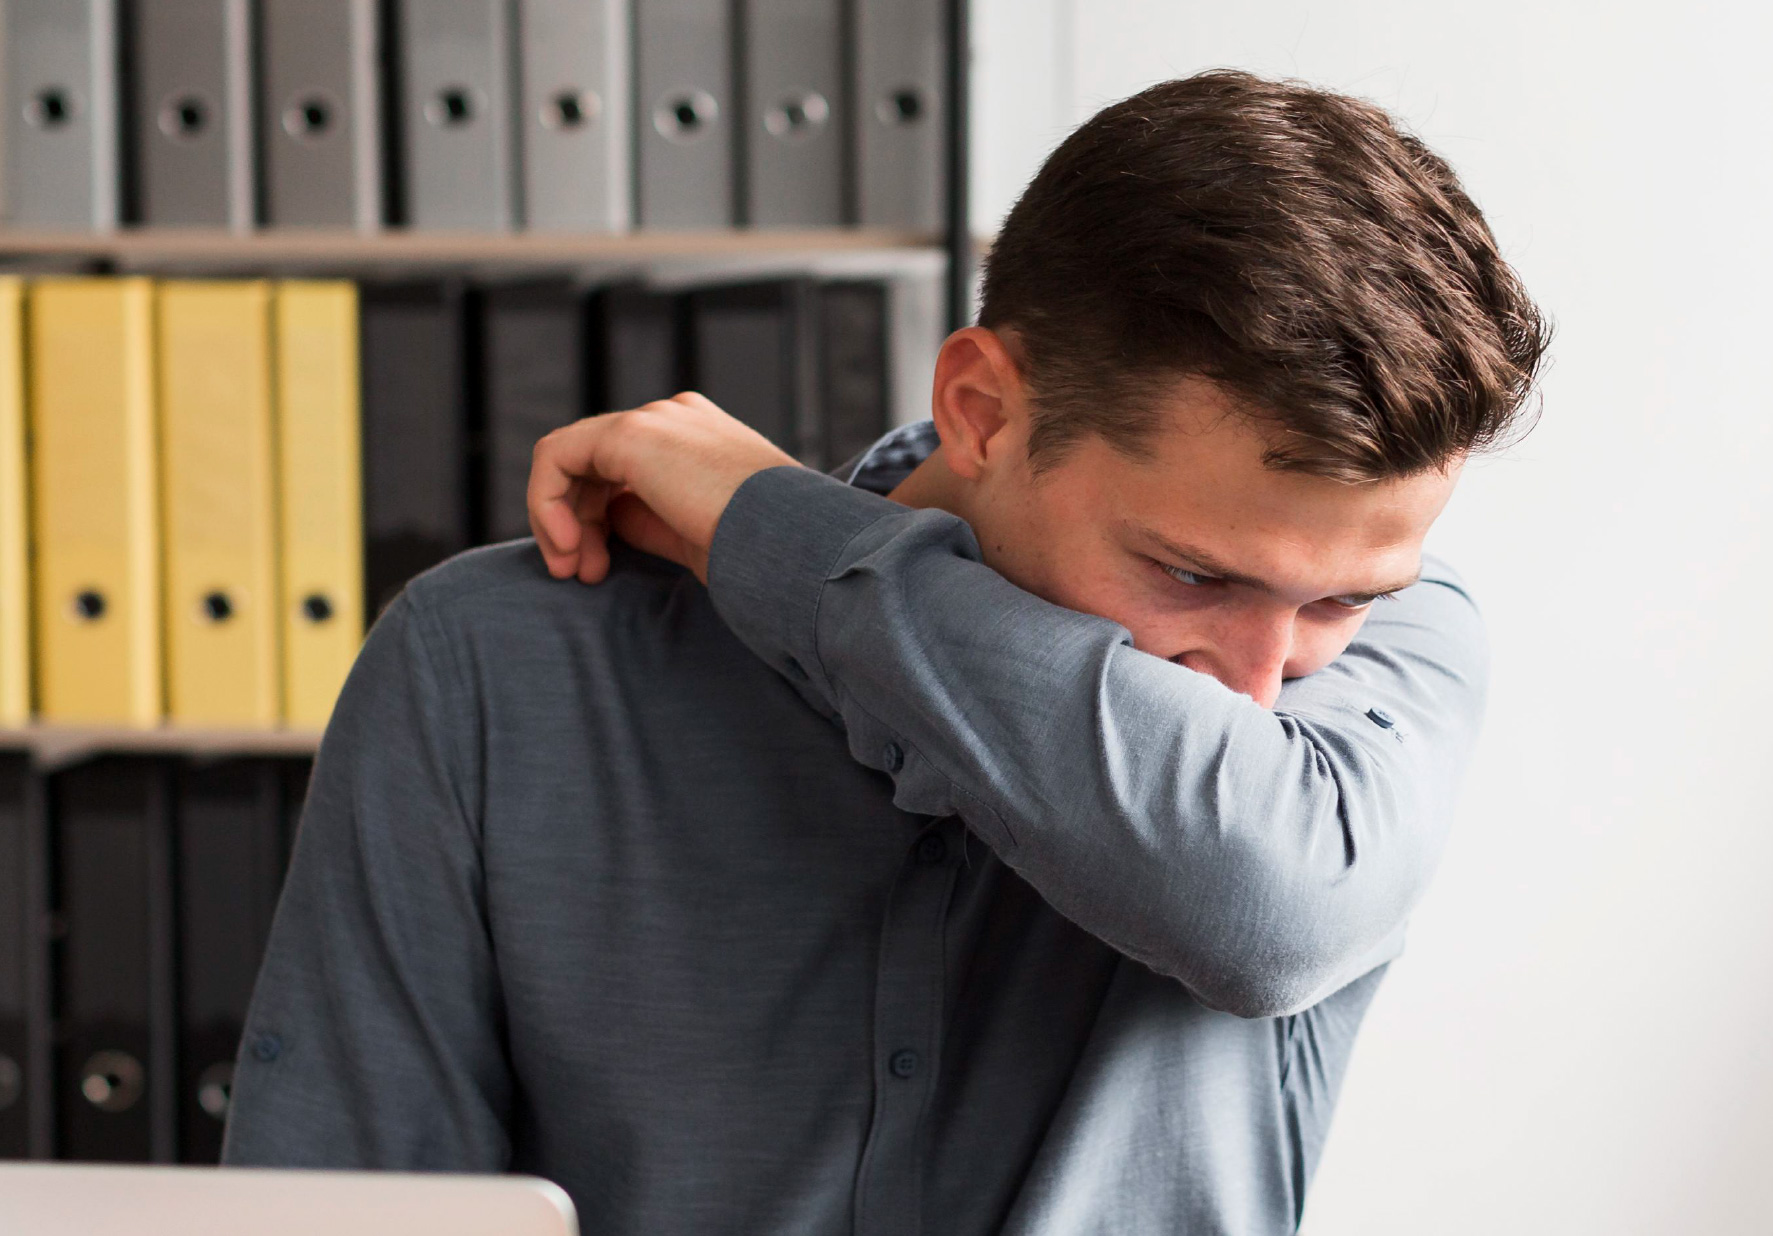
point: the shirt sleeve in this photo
(1263, 858)
(373, 1039)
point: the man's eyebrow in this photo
(1193, 555)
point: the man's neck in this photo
(931, 485)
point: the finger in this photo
(591, 514)
(695, 399)
(640, 526)
(561, 460)
(557, 559)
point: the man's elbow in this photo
(1252, 973)
(1257, 992)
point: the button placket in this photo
(907, 1030)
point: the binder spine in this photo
(61, 114)
(27, 1124)
(221, 582)
(320, 509)
(901, 109)
(536, 344)
(95, 500)
(230, 861)
(575, 146)
(754, 355)
(796, 118)
(115, 1078)
(684, 113)
(320, 113)
(416, 427)
(643, 347)
(193, 114)
(456, 127)
(15, 624)
(854, 367)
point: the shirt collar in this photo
(891, 459)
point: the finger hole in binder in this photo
(52, 108)
(798, 118)
(113, 1081)
(184, 116)
(903, 106)
(89, 605)
(453, 107)
(309, 119)
(216, 607)
(686, 115)
(571, 109)
(215, 1087)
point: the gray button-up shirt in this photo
(857, 892)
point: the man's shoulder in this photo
(505, 588)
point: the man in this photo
(1016, 851)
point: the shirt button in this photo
(903, 1063)
(931, 849)
(1380, 718)
(266, 1048)
(894, 755)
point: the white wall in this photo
(1580, 1037)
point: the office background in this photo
(392, 242)
(1576, 1040)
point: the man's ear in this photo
(978, 396)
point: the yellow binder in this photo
(217, 480)
(15, 617)
(321, 477)
(94, 500)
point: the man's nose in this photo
(1249, 657)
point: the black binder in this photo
(855, 344)
(537, 352)
(754, 352)
(26, 1126)
(416, 433)
(115, 1086)
(231, 858)
(641, 357)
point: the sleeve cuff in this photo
(776, 545)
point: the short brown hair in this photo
(1293, 245)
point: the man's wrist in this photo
(775, 546)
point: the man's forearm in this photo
(1262, 858)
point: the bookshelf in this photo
(157, 248)
(393, 250)
(51, 746)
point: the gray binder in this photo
(455, 124)
(794, 113)
(60, 74)
(684, 58)
(193, 112)
(574, 57)
(320, 113)
(900, 101)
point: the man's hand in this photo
(658, 477)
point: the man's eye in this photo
(1185, 577)
(1359, 602)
